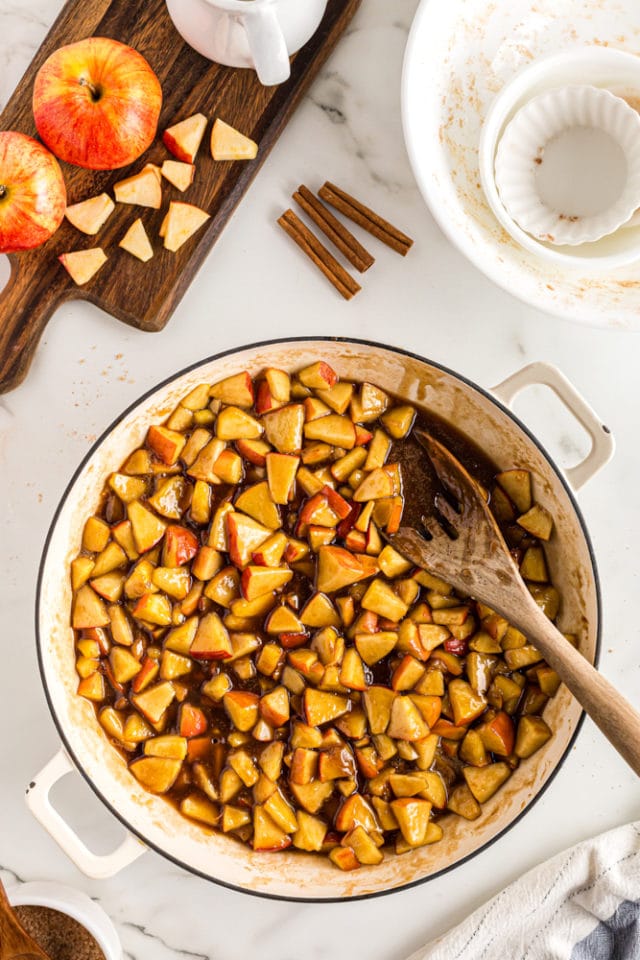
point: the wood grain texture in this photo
(139, 294)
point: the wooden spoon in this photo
(467, 549)
(15, 942)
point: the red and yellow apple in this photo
(96, 103)
(33, 197)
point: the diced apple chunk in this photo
(142, 189)
(183, 139)
(90, 215)
(182, 221)
(136, 242)
(227, 143)
(178, 173)
(156, 774)
(484, 781)
(82, 265)
(320, 707)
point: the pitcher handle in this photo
(267, 44)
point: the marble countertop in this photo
(255, 286)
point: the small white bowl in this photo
(589, 140)
(75, 904)
(602, 67)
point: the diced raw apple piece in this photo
(484, 781)
(265, 401)
(373, 647)
(533, 733)
(233, 423)
(406, 721)
(255, 451)
(227, 143)
(274, 706)
(178, 173)
(333, 429)
(154, 701)
(258, 581)
(90, 215)
(281, 475)
(82, 265)
(338, 397)
(111, 558)
(212, 641)
(96, 535)
(279, 384)
(147, 528)
(183, 220)
(517, 485)
(381, 599)
(284, 428)
(183, 139)
(319, 611)
(88, 610)
(110, 586)
(267, 835)
(156, 774)
(392, 563)
(204, 463)
(320, 707)
(245, 536)
(242, 708)
(142, 189)
(412, 814)
(124, 665)
(229, 467)
(136, 242)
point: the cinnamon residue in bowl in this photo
(59, 935)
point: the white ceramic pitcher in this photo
(259, 34)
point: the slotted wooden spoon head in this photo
(462, 543)
(15, 942)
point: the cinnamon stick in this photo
(318, 254)
(366, 218)
(342, 238)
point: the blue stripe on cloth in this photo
(617, 938)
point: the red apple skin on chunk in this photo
(33, 196)
(180, 546)
(96, 103)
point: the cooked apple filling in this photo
(266, 660)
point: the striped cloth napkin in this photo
(583, 904)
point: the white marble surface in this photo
(254, 286)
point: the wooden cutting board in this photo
(145, 295)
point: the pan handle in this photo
(91, 864)
(545, 374)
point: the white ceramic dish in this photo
(618, 72)
(75, 904)
(596, 178)
(460, 55)
(288, 874)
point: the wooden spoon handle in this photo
(26, 303)
(606, 706)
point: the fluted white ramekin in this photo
(522, 151)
